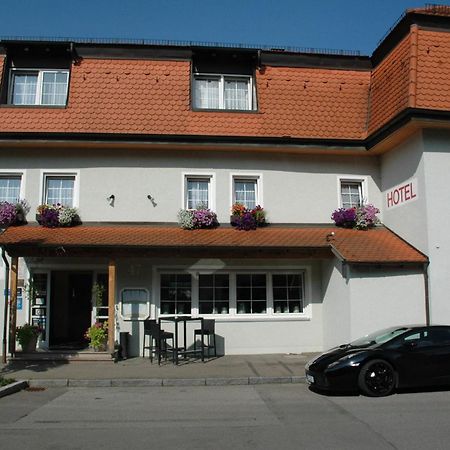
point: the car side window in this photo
(440, 337)
(418, 339)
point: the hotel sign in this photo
(401, 194)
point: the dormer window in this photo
(38, 87)
(228, 92)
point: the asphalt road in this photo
(230, 417)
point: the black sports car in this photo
(379, 363)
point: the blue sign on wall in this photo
(19, 298)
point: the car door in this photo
(413, 358)
(440, 354)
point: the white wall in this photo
(336, 304)
(398, 166)
(296, 188)
(384, 297)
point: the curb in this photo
(152, 382)
(13, 388)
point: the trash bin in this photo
(123, 341)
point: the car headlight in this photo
(344, 360)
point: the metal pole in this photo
(5, 313)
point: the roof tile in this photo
(378, 245)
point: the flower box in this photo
(247, 219)
(13, 213)
(52, 216)
(361, 218)
(192, 219)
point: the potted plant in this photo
(192, 219)
(361, 217)
(247, 219)
(27, 335)
(97, 335)
(52, 216)
(13, 213)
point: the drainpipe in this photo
(5, 321)
(427, 292)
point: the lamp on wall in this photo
(111, 199)
(152, 199)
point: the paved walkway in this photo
(237, 369)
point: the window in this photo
(175, 293)
(198, 192)
(351, 194)
(38, 87)
(246, 192)
(251, 295)
(214, 294)
(229, 92)
(59, 189)
(135, 304)
(10, 188)
(287, 293)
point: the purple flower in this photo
(8, 214)
(49, 218)
(205, 218)
(246, 222)
(344, 217)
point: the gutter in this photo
(427, 292)
(5, 327)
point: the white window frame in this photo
(5, 173)
(147, 303)
(362, 180)
(257, 177)
(232, 271)
(61, 173)
(39, 84)
(221, 78)
(200, 176)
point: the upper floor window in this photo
(246, 191)
(198, 192)
(59, 189)
(351, 194)
(10, 188)
(228, 92)
(38, 87)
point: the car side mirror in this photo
(410, 344)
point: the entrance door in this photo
(71, 307)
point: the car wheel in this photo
(377, 378)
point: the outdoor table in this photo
(183, 350)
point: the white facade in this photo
(341, 303)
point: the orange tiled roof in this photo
(153, 97)
(378, 245)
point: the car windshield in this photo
(379, 337)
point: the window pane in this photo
(214, 294)
(177, 289)
(236, 93)
(287, 293)
(197, 193)
(54, 88)
(245, 193)
(24, 87)
(351, 194)
(206, 93)
(9, 189)
(60, 190)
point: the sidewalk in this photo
(236, 369)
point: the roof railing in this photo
(176, 43)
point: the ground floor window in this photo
(214, 293)
(233, 293)
(175, 293)
(287, 293)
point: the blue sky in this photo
(326, 24)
